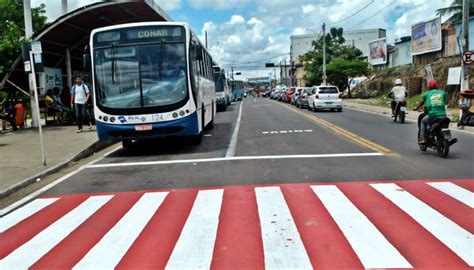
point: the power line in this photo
(376, 13)
(254, 61)
(353, 14)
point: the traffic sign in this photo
(467, 57)
(36, 47)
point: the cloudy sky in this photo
(245, 34)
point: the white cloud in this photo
(308, 8)
(169, 5)
(254, 21)
(233, 39)
(236, 19)
(217, 4)
(261, 29)
(298, 31)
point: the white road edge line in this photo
(183, 161)
(233, 141)
(406, 120)
(35, 194)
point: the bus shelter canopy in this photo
(72, 30)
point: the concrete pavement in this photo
(275, 145)
(20, 154)
(411, 116)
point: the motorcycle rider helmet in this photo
(433, 84)
(398, 82)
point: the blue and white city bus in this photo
(150, 80)
(223, 92)
(238, 89)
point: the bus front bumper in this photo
(186, 126)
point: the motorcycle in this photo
(400, 111)
(438, 136)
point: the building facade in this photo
(458, 26)
(300, 44)
(401, 54)
(361, 38)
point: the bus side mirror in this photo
(86, 59)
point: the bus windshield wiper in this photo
(160, 57)
(113, 55)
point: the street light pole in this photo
(37, 114)
(465, 44)
(35, 120)
(324, 54)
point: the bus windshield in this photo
(139, 76)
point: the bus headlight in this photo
(181, 113)
(112, 119)
(175, 115)
(106, 118)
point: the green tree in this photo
(345, 57)
(341, 69)
(455, 10)
(12, 27)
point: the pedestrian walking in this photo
(80, 95)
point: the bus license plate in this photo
(143, 127)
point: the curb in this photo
(366, 108)
(90, 150)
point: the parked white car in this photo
(325, 98)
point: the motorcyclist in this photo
(436, 101)
(398, 94)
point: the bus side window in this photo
(204, 66)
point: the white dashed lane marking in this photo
(288, 131)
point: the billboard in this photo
(378, 52)
(259, 80)
(426, 37)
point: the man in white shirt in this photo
(79, 96)
(398, 94)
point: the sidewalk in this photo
(411, 116)
(20, 153)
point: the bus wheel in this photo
(127, 144)
(197, 139)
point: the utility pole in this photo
(232, 72)
(281, 73)
(27, 15)
(64, 7)
(324, 54)
(205, 32)
(35, 121)
(285, 71)
(465, 44)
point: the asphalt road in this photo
(279, 145)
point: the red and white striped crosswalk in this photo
(356, 225)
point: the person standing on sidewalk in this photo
(79, 96)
